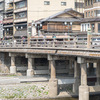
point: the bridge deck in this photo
(71, 46)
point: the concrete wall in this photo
(37, 9)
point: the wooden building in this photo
(66, 21)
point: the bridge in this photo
(80, 50)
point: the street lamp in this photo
(21, 27)
(38, 27)
(8, 30)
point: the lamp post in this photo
(32, 24)
(38, 27)
(7, 31)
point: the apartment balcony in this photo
(20, 20)
(8, 20)
(20, 33)
(89, 6)
(10, 8)
(18, 0)
(20, 10)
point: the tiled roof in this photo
(52, 17)
(64, 20)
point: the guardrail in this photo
(69, 42)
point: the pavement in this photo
(4, 80)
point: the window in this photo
(1, 5)
(88, 25)
(85, 26)
(46, 2)
(88, 2)
(21, 4)
(88, 14)
(97, 0)
(82, 27)
(21, 15)
(91, 2)
(79, 5)
(98, 13)
(99, 28)
(95, 13)
(63, 3)
(92, 27)
(92, 13)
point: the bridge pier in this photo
(53, 82)
(76, 76)
(13, 67)
(70, 67)
(30, 71)
(98, 73)
(83, 89)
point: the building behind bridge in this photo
(91, 16)
(17, 14)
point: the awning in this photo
(8, 26)
(20, 33)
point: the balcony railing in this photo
(20, 7)
(8, 20)
(20, 20)
(10, 8)
(18, 0)
(89, 6)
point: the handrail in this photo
(69, 42)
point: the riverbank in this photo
(14, 87)
(24, 90)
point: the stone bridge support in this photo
(76, 76)
(83, 89)
(98, 73)
(30, 71)
(53, 82)
(70, 67)
(12, 67)
(31, 63)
